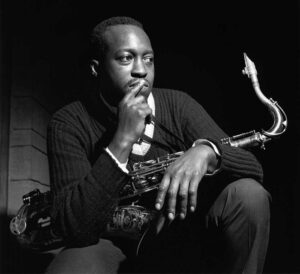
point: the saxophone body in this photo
(132, 218)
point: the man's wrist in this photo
(120, 165)
(120, 148)
(217, 154)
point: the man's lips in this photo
(139, 82)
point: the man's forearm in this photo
(120, 148)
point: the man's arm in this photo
(235, 162)
(182, 178)
(84, 194)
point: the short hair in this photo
(97, 43)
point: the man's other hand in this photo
(178, 188)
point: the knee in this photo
(251, 196)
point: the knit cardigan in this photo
(86, 181)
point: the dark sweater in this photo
(86, 181)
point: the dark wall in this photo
(199, 49)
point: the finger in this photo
(146, 110)
(143, 110)
(172, 196)
(138, 100)
(192, 192)
(161, 194)
(160, 223)
(133, 92)
(183, 195)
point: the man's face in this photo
(128, 59)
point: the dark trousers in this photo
(228, 233)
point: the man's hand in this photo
(181, 180)
(133, 110)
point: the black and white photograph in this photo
(149, 137)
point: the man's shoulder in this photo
(172, 97)
(69, 112)
(167, 93)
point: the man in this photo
(93, 143)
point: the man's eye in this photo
(125, 58)
(149, 59)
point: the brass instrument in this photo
(130, 217)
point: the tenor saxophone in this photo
(146, 176)
(130, 217)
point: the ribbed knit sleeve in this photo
(236, 162)
(84, 193)
(187, 119)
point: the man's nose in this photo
(139, 69)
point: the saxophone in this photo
(32, 225)
(146, 176)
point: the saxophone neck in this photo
(279, 117)
(280, 121)
(253, 138)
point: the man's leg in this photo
(242, 214)
(104, 257)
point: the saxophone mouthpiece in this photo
(249, 67)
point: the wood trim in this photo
(4, 108)
(5, 91)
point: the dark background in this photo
(199, 49)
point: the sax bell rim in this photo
(17, 225)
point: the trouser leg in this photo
(104, 257)
(242, 214)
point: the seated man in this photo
(210, 202)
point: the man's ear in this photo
(94, 66)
